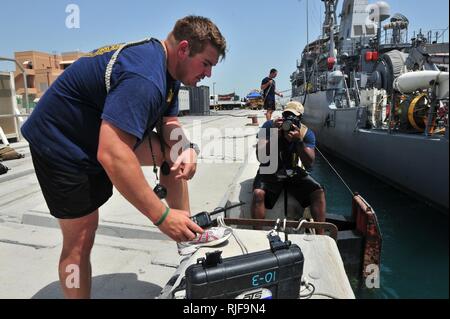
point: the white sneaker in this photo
(211, 237)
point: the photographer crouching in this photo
(295, 141)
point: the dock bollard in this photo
(254, 120)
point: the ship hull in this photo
(413, 163)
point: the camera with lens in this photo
(289, 120)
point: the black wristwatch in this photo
(193, 146)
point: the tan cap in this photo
(294, 107)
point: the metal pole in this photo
(431, 110)
(379, 35)
(6, 116)
(391, 113)
(305, 81)
(214, 93)
(307, 22)
(24, 78)
(443, 33)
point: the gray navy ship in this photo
(377, 99)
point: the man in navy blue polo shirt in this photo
(268, 87)
(93, 129)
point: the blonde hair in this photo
(198, 31)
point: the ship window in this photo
(357, 30)
(370, 29)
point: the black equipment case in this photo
(275, 273)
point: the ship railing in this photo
(393, 37)
(2, 116)
(432, 35)
(17, 118)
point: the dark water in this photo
(415, 249)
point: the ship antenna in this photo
(307, 22)
(336, 172)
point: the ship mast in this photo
(329, 24)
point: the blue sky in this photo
(261, 34)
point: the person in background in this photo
(268, 87)
(295, 142)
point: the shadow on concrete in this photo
(246, 196)
(112, 286)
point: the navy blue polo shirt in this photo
(269, 92)
(65, 125)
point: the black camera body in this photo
(160, 191)
(289, 120)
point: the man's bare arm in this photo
(185, 159)
(307, 155)
(116, 155)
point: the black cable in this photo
(159, 189)
(313, 292)
(155, 169)
(219, 208)
(336, 172)
(310, 294)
